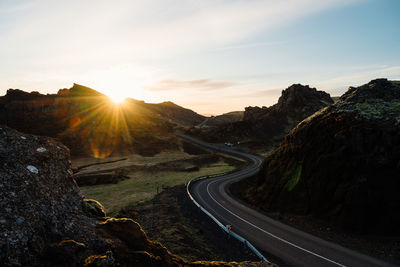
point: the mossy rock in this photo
(93, 208)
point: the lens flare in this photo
(295, 177)
(100, 126)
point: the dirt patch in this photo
(171, 218)
(75, 170)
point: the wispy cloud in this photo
(203, 85)
(130, 30)
(249, 45)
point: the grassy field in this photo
(143, 185)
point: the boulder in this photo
(93, 208)
(40, 202)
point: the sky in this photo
(212, 56)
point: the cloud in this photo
(249, 45)
(203, 85)
(121, 30)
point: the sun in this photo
(117, 99)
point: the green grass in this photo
(143, 186)
(379, 109)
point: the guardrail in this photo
(223, 227)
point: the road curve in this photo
(292, 246)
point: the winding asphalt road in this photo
(291, 246)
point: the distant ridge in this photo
(225, 118)
(79, 90)
(265, 125)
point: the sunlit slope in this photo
(88, 122)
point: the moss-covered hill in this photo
(341, 164)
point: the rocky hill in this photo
(44, 221)
(266, 124)
(340, 165)
(225, 118)
(89, 123)
(174, 113)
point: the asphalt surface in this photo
(293, 247)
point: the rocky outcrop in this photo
(44, 221)
(295, 103)
(262, 125)
(89, 124)
(40, 205)
(341, 164)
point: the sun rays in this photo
(117, 99)
(101, 124)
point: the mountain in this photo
(222, 119)
(169, 111)
(89, 123)
(340, 165)
(44, 221)
(267, 124)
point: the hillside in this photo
(264, 126)
(225, 118)
(90, 124)
(45, 221)
(340, 165)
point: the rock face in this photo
(262, 124)
(40, 203)
(44, 221)
(296, 101)
(341, 164)
(89, 124)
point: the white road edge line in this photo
(270, 234)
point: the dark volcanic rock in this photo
(262, 124)
(44, 221)
(39, 200)
(295, 102)
(341, 164)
